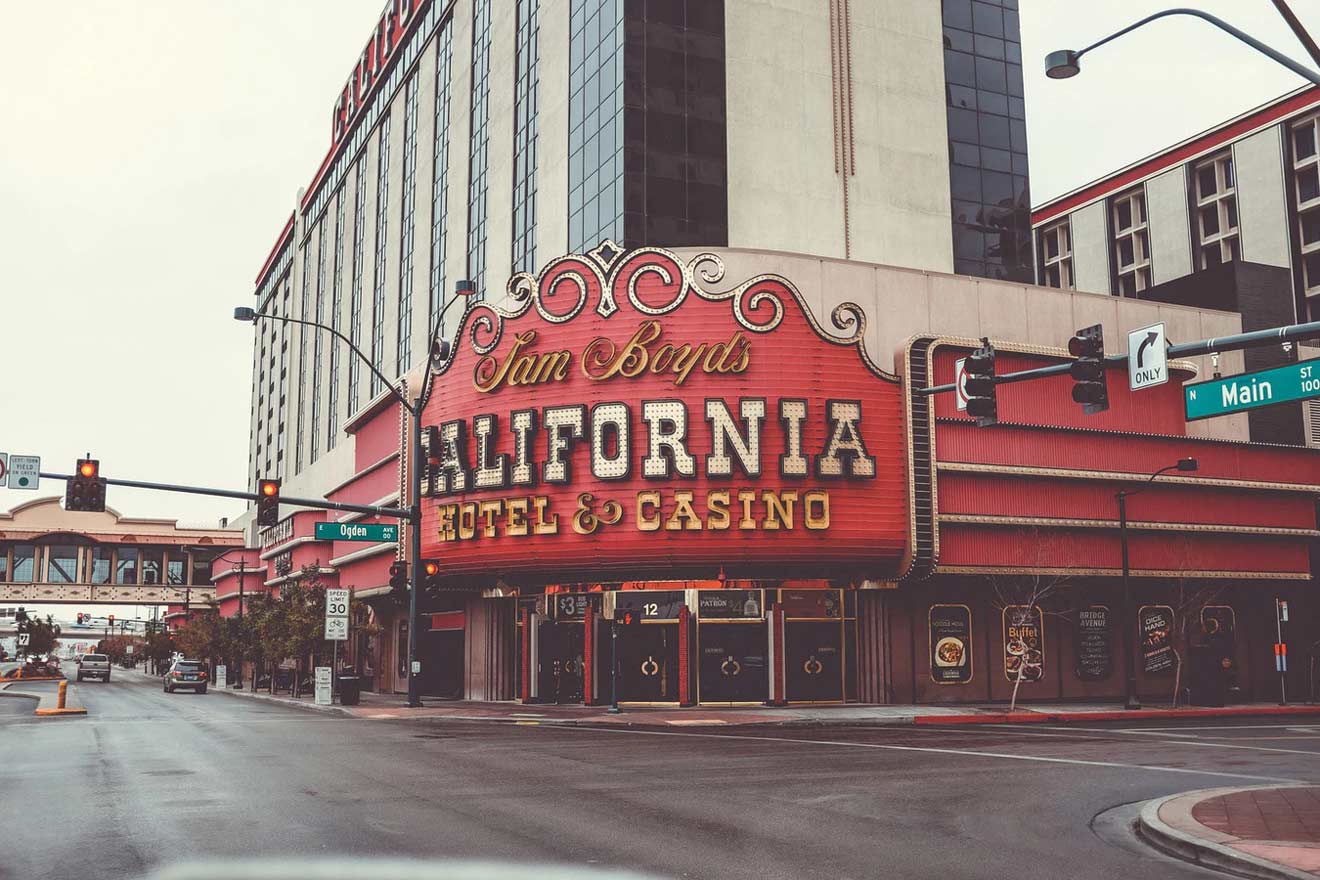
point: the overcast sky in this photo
(154, 148)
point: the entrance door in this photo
(560, 662)
(441, 655)
(813, 651)
(732, 668)
(648, 663)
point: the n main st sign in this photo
(1222, 397)
(632, 415)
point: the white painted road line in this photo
(971, 753)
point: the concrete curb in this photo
(1207, 853)
(1040, 717)
(294, 704)
(46, 701)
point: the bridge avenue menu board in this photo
(1156, 638)
(1095, 654)
(950, 644)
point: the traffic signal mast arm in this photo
(1238, 342)
(319, 503)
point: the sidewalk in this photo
(393, 706)
(1267, 831)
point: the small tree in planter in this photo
(1016, 595)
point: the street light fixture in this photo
(440, 350)
(1129, 650)
(1066, 63)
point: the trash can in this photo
(350, 690)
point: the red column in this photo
(588, 657)
(684, 656)
(526, 660)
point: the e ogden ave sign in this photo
(1221, 397)
(342, 531)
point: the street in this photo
(149, 778)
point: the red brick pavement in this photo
(1291, 814)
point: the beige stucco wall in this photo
(900, 303)
(784, 191)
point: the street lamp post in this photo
(1065, 63)
(437, 351)
(1129, 649)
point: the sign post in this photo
(336, 631)
(1148, 358)
(1281, 649)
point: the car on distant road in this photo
(94, 666)
(186, 674)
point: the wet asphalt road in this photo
(148, 778)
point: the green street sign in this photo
(1222, 397)
(337, 531)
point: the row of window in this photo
(1214, 223)
(81, 564)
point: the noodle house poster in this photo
(950, 644)
(1156, 623)
(1024, 643)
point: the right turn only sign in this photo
(1148, 362)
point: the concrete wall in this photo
(784, 191)
(1262, 204)
(901, 303)
(1168, 225)
(1090, 241)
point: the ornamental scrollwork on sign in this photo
(654, 282)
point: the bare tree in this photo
(1188, 599)
(1017, 595)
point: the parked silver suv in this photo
(186, 674)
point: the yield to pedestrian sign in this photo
(1148, 360)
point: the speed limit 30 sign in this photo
(336, 615)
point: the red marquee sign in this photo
(630, 417)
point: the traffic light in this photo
(1088, 369)
(268, 504)
(85, 490)
(626, 617)
(80, 618)
(980, 384)
(399, 580)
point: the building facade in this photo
(1228, 219)
(474, 135)
(715, 250)
(50, 555)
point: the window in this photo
(4, 566)
(355, 303)
(176, 570)
(336, 306)
(201, 570)
(1131, 242)
(62, 564)
(25, 563)
(382, 218)
(101, 561)
(403, 352)
(440, 174)
(1215, 222)
(319, 346)
(1056, 255)
(304, 332)
(126, 566)
(987, 140)
(478, 148)
(153, 561)
(1306, 188)
(595, 123)
(524, 138)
